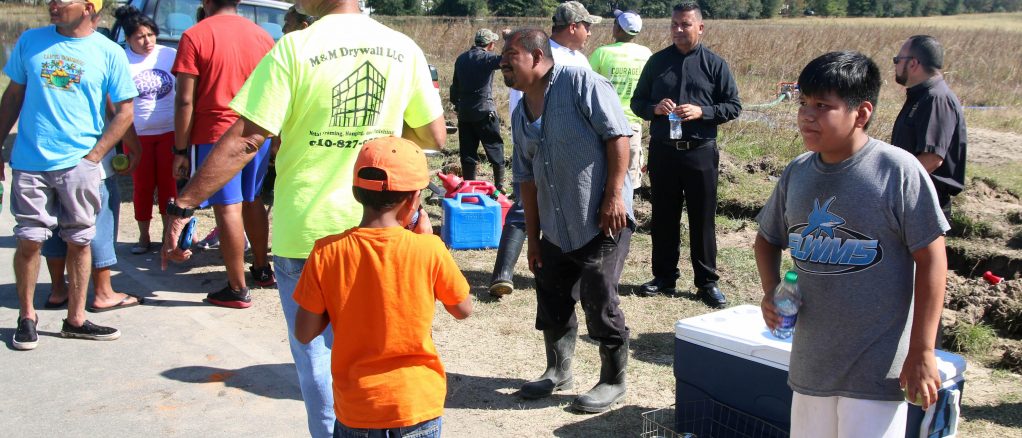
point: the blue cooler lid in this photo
(951, 368)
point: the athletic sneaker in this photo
(89, 331)
(228, 297)
(25, 337)
(263, 276)
(211, 241)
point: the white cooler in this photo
(731, 357)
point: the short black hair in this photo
(532, 39)
(378, 200)
(130, 19)
(220, 4)
(928, 51)
(852, 76)
(689, 6)
(302, 18)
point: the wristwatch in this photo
(175, 210)
(179, 151)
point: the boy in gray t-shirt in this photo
(864, 229)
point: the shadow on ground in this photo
(1005, 414)
(266, 380)
(611, 423)
(476, 392)
(480, 284)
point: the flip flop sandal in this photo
(52, 305)
(121, 305)
(141, 248)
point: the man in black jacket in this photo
(689, 80)
(472, 95)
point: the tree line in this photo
(719, 9)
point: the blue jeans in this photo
(102, 248)
(313, 359)
(425, 429)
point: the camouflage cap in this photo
(486, 36)
(573, 12)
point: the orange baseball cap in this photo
(401, 160)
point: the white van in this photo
(175, 16)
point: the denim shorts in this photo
(246, 185)
(103, 253)
(42, 200)
(425, 429)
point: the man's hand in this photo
(170, 252)
(93, 157)
(919, 377)
(612, 214)
(689, 112)
(664, 107)
(770, 316)
(133, 160)
(533, 256)
(181, 167)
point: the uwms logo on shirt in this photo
(825, 246)
(61, 73)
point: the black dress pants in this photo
(596, 267)
(678, 177)
(487, 132)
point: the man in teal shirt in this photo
(622, 62)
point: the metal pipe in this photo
(780, 98)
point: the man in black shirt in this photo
(472, 95)
(931, 124)
(695, 84)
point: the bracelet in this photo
(179, 151)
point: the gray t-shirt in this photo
(851, 229)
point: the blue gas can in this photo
(471, 221)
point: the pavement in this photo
(180, 368)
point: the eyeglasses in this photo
(898, 59)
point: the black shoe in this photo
(89, 331)
(262, 276)
(25, 337)
(712, 296)
(227, 297)
(655, 287)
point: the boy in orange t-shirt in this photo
(376, 285)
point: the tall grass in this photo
(981, 65)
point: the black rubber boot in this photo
(511, 240)
(468, 170)
(612, 386)
(560, 347)
(498, 178)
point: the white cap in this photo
(629, 21)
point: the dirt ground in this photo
(489, 355)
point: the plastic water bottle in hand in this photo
(787, 300)
(675, 125)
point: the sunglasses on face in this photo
(898, 59)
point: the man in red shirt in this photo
(214, 58)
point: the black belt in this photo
(685, 145)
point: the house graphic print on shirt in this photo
(61, 72)
(825, 245)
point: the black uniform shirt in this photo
(932, 121)
(471, 89)
(699, 78)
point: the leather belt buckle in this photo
(683, 145)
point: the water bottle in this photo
(675, 125)
(787, 300)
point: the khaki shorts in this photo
(68, 197)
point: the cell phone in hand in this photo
(187, 234)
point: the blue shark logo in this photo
(824, 245)
(821, 220)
